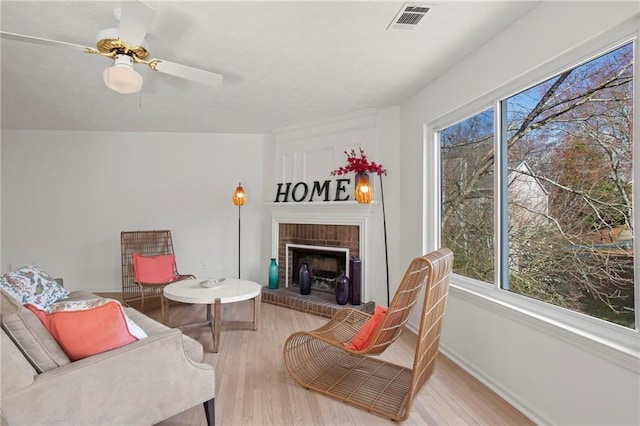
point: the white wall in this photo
(547, 374)
(67, 195)
(0, 203)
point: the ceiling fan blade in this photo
(135, 19)
(38, 40)
(183, 71)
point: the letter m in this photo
(317, 189)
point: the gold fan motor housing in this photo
(111, 46)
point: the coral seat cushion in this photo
(85, 332)
(368, 331)
(154, 269)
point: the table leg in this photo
(214, 321)
(256, 312)
(164, 308)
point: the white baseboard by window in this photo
(508, 395)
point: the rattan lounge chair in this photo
(146, 243)
(319, 361)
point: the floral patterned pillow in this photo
(30, 284)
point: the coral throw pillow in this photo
(86, 327)
(368, 330)
(154, 269)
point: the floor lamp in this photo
(239, 198)
(364, 194)
(386, 250)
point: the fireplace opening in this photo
(325, 264)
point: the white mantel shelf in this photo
(330, 210)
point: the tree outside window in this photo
(567, 178)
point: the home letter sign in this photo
(300, 190)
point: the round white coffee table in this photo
(230, 290)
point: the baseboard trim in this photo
(515, 400)
(512, 398)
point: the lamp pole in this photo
(239, 198)
(239, 207)
(386, 251)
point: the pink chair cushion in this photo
(154, 269)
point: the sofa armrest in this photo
(140, 383)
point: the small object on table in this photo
(212, 283)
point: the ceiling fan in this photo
(126, 45)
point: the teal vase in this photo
(273, 274)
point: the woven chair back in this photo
(146, 243)
(417, 277)
(435, 300)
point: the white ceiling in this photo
(284, 63)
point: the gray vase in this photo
(305, 279)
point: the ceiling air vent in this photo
(408, 17)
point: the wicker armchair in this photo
(146, 243)
(319, 361)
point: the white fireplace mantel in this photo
(336, 212)
(331, 213)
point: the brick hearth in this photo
(317, 303)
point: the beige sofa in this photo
(140, 383)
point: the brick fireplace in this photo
(334, 239)
(333, 225)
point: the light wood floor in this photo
(253, 387)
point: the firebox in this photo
(325, 264)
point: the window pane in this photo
(466, 153)
(569, 180)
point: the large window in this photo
(538, 197)
(467, 194)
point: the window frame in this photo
(612, 341)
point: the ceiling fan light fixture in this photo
(121, 77)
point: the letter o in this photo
(295, 191)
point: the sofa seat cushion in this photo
(30, 336)
(192, 348)
(17, 372)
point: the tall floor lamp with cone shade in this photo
(239, 198)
